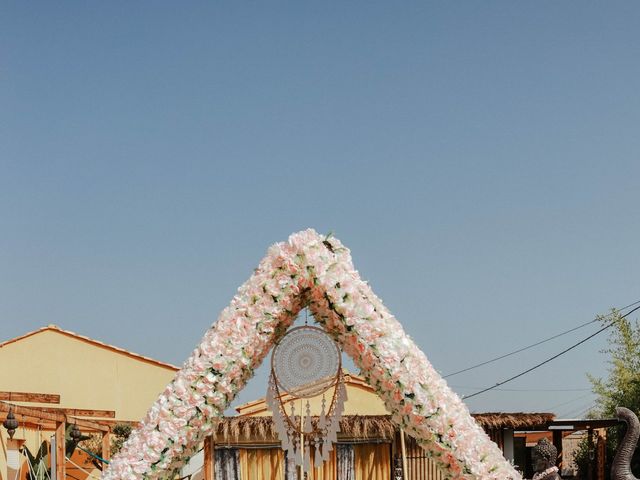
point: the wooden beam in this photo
(30, 412)
(112, 423)
(38, 425)
(29, 397)
(50, 426)
(81, 422)
(80, 412)
(209, 459)
(60, 451)
(106, 446)
(52, 416)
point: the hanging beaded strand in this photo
(298, 433)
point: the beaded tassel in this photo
(308, 428)
(317, 457)
(307, 456)
(322, 421)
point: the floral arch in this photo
(314, 271)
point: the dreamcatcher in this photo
(306, 363)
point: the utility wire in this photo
(527, 389)
(577, 412)
(554, 357)
(567, 402)
(487, 362)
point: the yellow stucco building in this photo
(361, 400)
(86, 374)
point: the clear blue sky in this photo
(481, 160)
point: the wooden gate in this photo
(419, 466)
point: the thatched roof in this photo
(516, 421)
(233, 429)
(247, 428)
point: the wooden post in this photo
(60, 451)
(557, 442)
(590, 471)
(601, 455)
(106, 446)
(209, 458)
(12, 454)
(404, 455)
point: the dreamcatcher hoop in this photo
(306, 363)
(292, 352)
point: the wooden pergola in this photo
(55, 419)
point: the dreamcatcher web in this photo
(306, 363)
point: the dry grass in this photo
(516, 421)
(234, 429)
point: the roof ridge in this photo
(349, 379)
(55, 328)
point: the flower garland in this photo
(549, 472)
(314, 271)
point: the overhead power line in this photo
(567, 402)
(487, 362)
(578, 411)
(527, 389)
(553, 357)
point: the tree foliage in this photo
(120, 434)
(620, 388)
